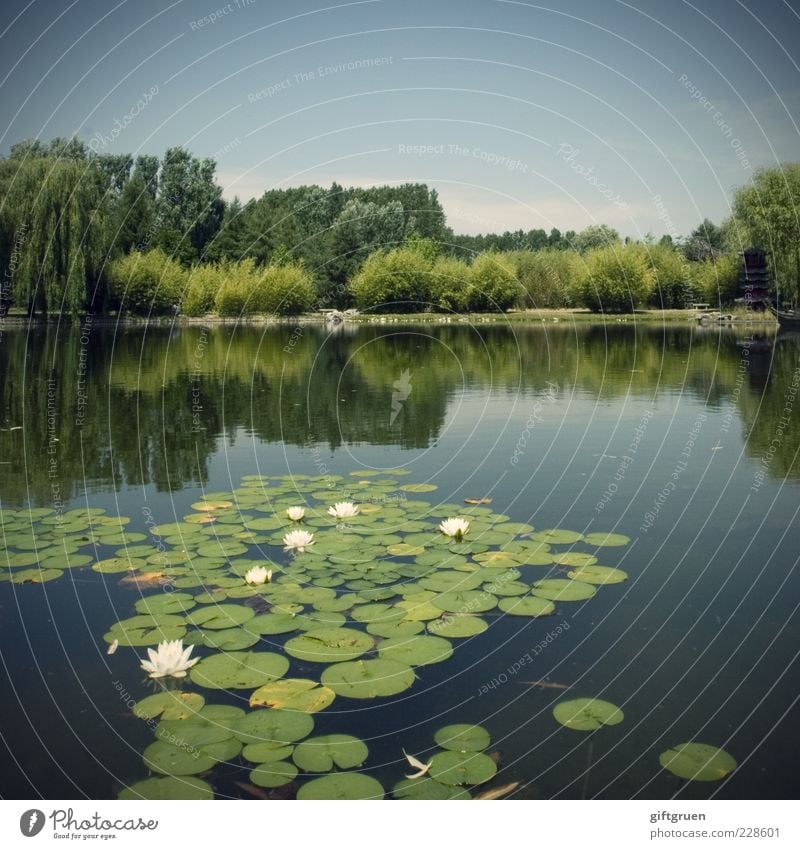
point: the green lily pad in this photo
(273, 774)
(273, 623)
(146, 630)
(229, 639)
(221, 616)
(527, 606)
(697, 762)
(267, 752)
(327, 645)
(395, 629)
(342, 785)
(377, 613)
(165, 603)
(463, 738)
(169, 705)
(496, 559)
(239, 670)
(293, 694)
(459, 768)
(321, 754)
(598, 575)
(557, 536)
(418, 487)
(195, 733)
(35, 576)
(368, 679)
(274, 726)
(416, 651)
(458, 626)
(609, 540)
(427, 789)
(562, 589)
(587, 714)
(471, 601)
(176, 760)
(574, 558)
(169, 788)
(451, 581)
(403, 549)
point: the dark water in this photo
(685, 440)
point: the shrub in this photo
(493, 283)
(616, 279)
(717, 280)
(234, 295)
(286, 289)
(393, 281)
(449, 284)
(146, 283)
(548, 277)
(200, 293)
(673, 285)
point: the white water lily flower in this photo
(454, 527)
(418, 765)
(298, 540)
(343, 510)
(296, 513)
(171, 658)
(258, 575)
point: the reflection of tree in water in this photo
(303, 385)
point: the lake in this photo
(682, 439)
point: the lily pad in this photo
(239, 670)
(342, 785)
(459, 768)
(471, 601)
(458, 626)
(609, 540)
(293, 694)
(176, 760)
(169, 788)
(697, 762)
(395, 629)
(368, 679)
(562, 589)
(169, 705)
(463, 738)
(418, 487)
(273, 774)
(574, 558)
(321, 754)
(274, 726)
(416, 651)
(220, 616)
(165, 603)
(557, 536)
(598, 575)
(527, 606)
(230, 639)
(587, 714)
(427, 789)
(327, 645)
(267, 752)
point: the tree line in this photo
(82, 231)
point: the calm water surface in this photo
(685, 440)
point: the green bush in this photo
(235, 294)
(717, 280)
(616, 279)
(449, 284)
(283, 290)
(673, 285)
(393, 281)
(548, 277)
(146, 283)
(493, 283)
(200, 293)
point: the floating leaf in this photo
(458, 625)
(418, 487)
(697, 762)
(169, 705)
(477, 500)
(587, 714)
(463, 738)
(557, 536)
(165, 603)
(458, 768)
(273, 774)
(293, 694)
(574, 558)
(601, 539)
(416, 651)
(327, 645)
(427, 789)
(342, 785)
(598, 575)
(220, 616)
(562, 589)
(274, 726)
(267, 752)
(239, 670)
(321, 754)
(396, 629)
(155, 789)
(527, 606)
(176, 760)
(146, 630)
(368, 679)
(470, 601)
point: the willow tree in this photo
(767, 216)
(60, 235)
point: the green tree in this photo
(704, 242)
(616, 279)
(397, 280)
(595, 236)
(146, 283)
(767, 216)
(493, 283)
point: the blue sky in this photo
(643, 114)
